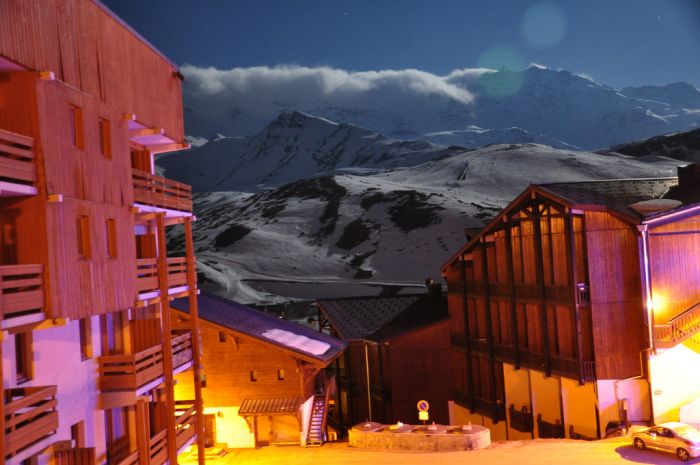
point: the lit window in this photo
(111, 230)
(253, 376)
(280, 374)
(76, 126)
(105, 138)
(82, 225)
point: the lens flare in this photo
(543, 25)
(509, 78)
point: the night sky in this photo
(617, 42)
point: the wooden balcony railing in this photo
(131, 459)
(130, 372)
(21, 290)
(521, 419)
(549, 430)
(17, 158)
(147, 274)
(182, 348)
(184, 422)
(75, 456)
(679, 328)
(30, 416)
(157, 191)
(159, 448)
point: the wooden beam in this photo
(128, 117)
(2, 413)
(539, 267)
(513, 305)
(489, 330)
(162, 148)
(144, 132)
(573, 281)
(194, 325)
(167, 344)
(465, 308)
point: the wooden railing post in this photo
(194, 324)
(2, 410)
(167, 338)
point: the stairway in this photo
(317, 425)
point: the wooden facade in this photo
(557, 287)
(258, 389)
(85, 103)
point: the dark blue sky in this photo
(617, 42)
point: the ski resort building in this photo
(266, 381)
(578, 306)
(88, 350)
(398, 354)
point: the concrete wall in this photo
(462, 416)
(675, 380)
(578, 403)
(517, 386)
(57, 361)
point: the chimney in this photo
(689, 176)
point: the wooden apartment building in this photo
(578, 305)
(88, 351)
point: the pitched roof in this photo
(615, 194)
(267, 328)
(382, 318)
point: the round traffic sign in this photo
(423, 405)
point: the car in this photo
(678, 438)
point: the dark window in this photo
(222, 336)
(83, 236)
(23, 357)
(105, 138)
(85, 338)
(76, 126)
(111, 230)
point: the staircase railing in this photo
(679, 328)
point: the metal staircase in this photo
(679, 328)
(317, 425)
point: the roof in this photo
(272, 406)
(266, 328)
(383, 318)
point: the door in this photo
(209, 430)
(263, 431)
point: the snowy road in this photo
(536, 452)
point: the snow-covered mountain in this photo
(359, 234)
(683, 146)
(293, 146)
(474, 137)
(544, 105)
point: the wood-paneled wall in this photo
(88, 49)
(616, 296)
(674, 258)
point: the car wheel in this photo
(682, 454)
(639, 444)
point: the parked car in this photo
(678, 438)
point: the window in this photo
(280, 374)
(111, 230)
(23, 357)
(253, 376)
(85, 328)
(83, 236)
(76, 126)
(222, 336)
(105, 138)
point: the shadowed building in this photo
(398, 353)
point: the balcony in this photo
(184, 424)
(22, 299)
(17, 166)
(679, 328)
(125, 377)
(156, 192)
(157, 451)
(30, 416)
(147, 277)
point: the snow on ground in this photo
(534, 452)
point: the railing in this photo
(21, 290)
(549, 430)
(17, 158)
(574, 435)
(184, 422)
(129, 372)
(161, 192)
(494, 410)
(147, 274)
(679, 328)
(158, 446)
(521, 420)
(589, 371)
(131, 459)
(75, 456)
(30, 416)
(182, 348)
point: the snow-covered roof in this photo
(382, 318)
(267, 328)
